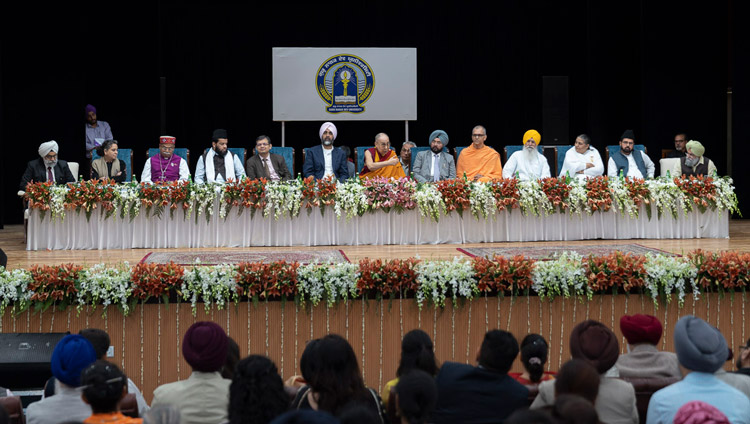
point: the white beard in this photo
(530, 154)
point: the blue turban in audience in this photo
(699, 346)
(205, 346)
(71, 355)
(442, 135)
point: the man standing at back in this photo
(324, 160)
(97, 132)
(482, 394)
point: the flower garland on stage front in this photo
(355, 197)
(660, 277)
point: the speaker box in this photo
(25, 357)
(555, 111)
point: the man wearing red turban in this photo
(643, 359)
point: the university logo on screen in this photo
(345, 82)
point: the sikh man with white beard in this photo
(527, 163)
(694, 163)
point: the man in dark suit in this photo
(325, 160)
(265, 164)
(47, 167)
(483, 394)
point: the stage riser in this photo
(147, 342)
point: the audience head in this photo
(534, 352)
(499, 350)
(416, 394)
(220, 141)
(417, 353)
(697, 412)
(641, 328)
(357, 412)
(332, 372)
(205, 346)
(99, 339)
(72, 355)
(108, 150)
(305, 416)
(699, 346)
(743, 356)
(582, 143)
(595, 343)
(256, 394)
(529, 416)
(162, 414)
(103, 386)
(233, 357)
(48, 152)
(327, 133)
(679, 142)
(578, 377)
(573, 409)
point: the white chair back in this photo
(74, 169)
(668, 164)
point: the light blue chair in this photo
(359, 156)
(561, 152)
(125, 155)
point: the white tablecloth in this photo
(74, 232)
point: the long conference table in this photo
(378, 228)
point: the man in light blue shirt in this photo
(97, 132)
(701, 350)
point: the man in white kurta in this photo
(527, 163)
(582, 161)
(631, 163)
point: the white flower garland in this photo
(563, 276)
(283, 198)
(482, 200)
(532, 199)
(210, 284)
(350, 199)
(439, 278)
(670, 274)
(106, 286)
(334, 281)
(429, 202)
(14, 288)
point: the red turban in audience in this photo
(205, 346)
(596, 344)
(697, 412)
(641, 328)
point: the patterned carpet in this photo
(549, 252)
(229, 257)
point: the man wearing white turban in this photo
(47, 167)
(325, 160)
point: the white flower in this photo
(670, 274)
(14, 288)
(482, 200)
(106, 286)
(334, 281)
(283, 198)
(211, 284)
(563, 276)
(429, 201)
(437, 279)
(532, 199)
(577, 200)
(350, 199)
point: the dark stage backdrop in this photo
(650, 66)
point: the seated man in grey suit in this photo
(435, 164)
(266, 164)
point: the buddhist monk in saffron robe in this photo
(478, 161)
(381, 161)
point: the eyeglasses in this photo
(478, 135)
(262, 145)
(743, 347)
(166, 148)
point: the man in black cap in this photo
(629, 163)
(701, 350)
(218, 164)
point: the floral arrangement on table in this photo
(568, 275)
(355, 197)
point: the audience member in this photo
(165, 166)
(381, 161)
(583, 160)
(693, 163)
(47, 168)
(405, 156)
(218, 164)
(202, 398)
(643, 359)
(679, 146)
(4, 418)
(358, 412)
(417, 396)
(265, 164)
(529, 416)
(578, 377)
(107, 165)
(104, 385)
(701, 351)
(306, 416)
(743, 359)
(331, 371)
(233, 357)
(596, 344)
(738, 381)
(162, 414)
(257, 393)
(527, 163)
(97, 132)
(482, 394)
(349, 161)
(70, 357)
(629, 162)
(534, 352)
(324, 160)
(435, 164)
(697, 412)
(574, 409)
(479, 162)
(417, 352)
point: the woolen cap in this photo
(699, 346)
(205, 346)
(641, 328)
(442, 135)
(596, 344)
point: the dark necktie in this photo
(265, 168)
(49, 175)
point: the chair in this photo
(359, 156)
(667, 164)
(509, 150)
(74, 167)
(665, 152)
(616, 148)
(125, 155)
(288, 154)
(14, 408)
(561, 152)
(181, 152)
(457, 152)
(129, 406)
(644, 389)
(415, 151)
(239, 151)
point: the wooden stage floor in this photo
(13, 243)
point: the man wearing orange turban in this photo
(527, 163)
